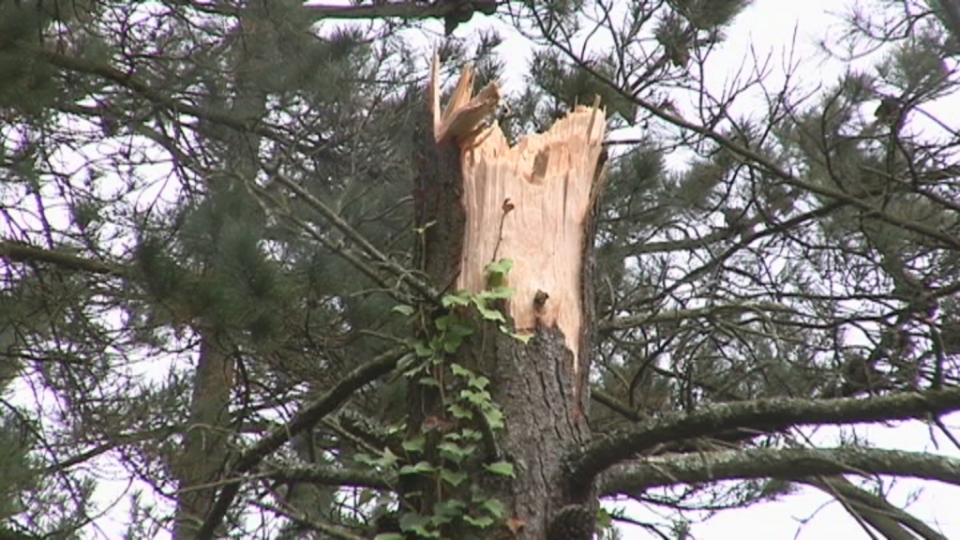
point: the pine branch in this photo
(727, 310)
(750, 155)
(132, 82)
(759, 415)
(329, 530)
(786, 463)
(328, 476)
(365, 245)
(402, 10)
(25, 253)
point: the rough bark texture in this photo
(481, 200)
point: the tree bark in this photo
(480, 201)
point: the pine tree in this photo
(231, 248)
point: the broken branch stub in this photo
(530, 202)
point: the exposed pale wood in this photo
(530, 203)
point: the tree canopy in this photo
(213, 290)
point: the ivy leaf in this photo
(452, 478)
(480, 522)
(444, 321)
(404, 310)
(460, 413)
(415, 444)
(493, 417)
(422, 467)
(489, 314)
(422, 349)
(452, 343)
(468, 434)
(522, 338)
(460, 371)
(479, 382)
(494, 507)
(497, 271)
(500, 468)
(430, 381)
(449, 508)
(497, 293)
(476, 397)
(461, 298)
(454, 452)
(415, 523)
(388, 536)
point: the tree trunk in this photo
(206, 447)
(207, 439)
(481, 201)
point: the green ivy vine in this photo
(467, 400)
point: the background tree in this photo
(209, 216)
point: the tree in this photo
(237, 270)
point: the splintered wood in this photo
(529, 203)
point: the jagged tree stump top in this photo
(530, 202)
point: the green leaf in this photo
(430, 381)
(519, 337)
(477, 397)
(404, 310)
(454, 452)
(449, 507)
(479, 382)
(494, 507)
(459, 412)
(490, 314)
(452, 478)
(388, 536)
(422, 467)
(459, 330)
(415, 444)
(422, 350)
(499, 268)
(460, 371)
(497, 293)
(452, 343)
(445, 321)
(415, 523)
(461, 298)
(493, 417)
(388, 459)
(500, 468)
(482, 522)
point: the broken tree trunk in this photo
(481, 200)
